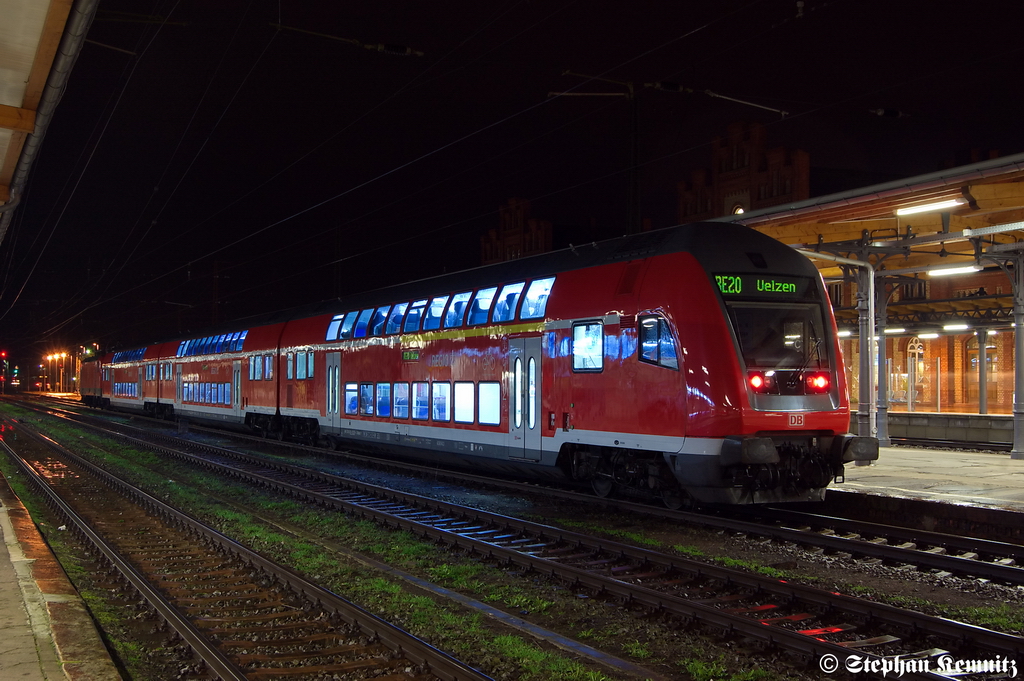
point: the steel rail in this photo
(993, 571)
(904, 534)
(212, 657)
(631, 593)
(440, 663)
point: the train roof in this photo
(718, 246)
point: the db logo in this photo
(796, 420)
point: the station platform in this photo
(46, 633)
(988, 479)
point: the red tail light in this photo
(817, 382)
(761, 382)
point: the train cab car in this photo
(695, 364)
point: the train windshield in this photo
(780, 336)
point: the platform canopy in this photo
(968, 216)
(36, 55)
(963, 208)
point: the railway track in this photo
(806, 621)
(243, 616)
(944, 553)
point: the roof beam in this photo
(19, 120)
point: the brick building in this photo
(745, 175)
(518, 235)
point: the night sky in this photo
(231, 168)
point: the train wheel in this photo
(674, 499)
(603, 487)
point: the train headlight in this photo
(817, 383)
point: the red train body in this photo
(695, 363)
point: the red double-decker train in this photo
(693, 364)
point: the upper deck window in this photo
(481, 306)
(395, 320)
(362, 323)
(434, 313)
(346, 326)
(412, 319)
(536, 300)
(378, 320)
(457, 310)
(334, 327)
(505, 308)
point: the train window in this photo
(151, 372)
(362, 323)
(412, 319)
(225, 392)
(434, 313)
(289, 371)
(481, 306)
(531, 393)
(779, 336)
(351, 399)
(252, 370)
(366, 399)
(490, 404)
(268, 368)
(465, 394)
(346, 326)
(383, 399)
(300, 366)
(657, 346)
(441, 401)
(181, 348)
(505, 308)
(400, 409)
(587, 346)
(395, 320)
(309, 364)
(377, 322)
(421, 401)
(536, 300)
(218, 345)
(334, 327)
(457, 310)
(517, 393)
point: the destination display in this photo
(765, 286)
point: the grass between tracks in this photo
(466, 634)
(463, 632)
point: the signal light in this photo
(817, 383)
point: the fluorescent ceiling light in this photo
(927, 335)
(845, 334)
(955, 327)
(939, 205)
(954, 270)
(897, 330)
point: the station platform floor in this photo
(989, 479)
(46, 633)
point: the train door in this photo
(333, 382)
(524, 398)
(236, 387)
